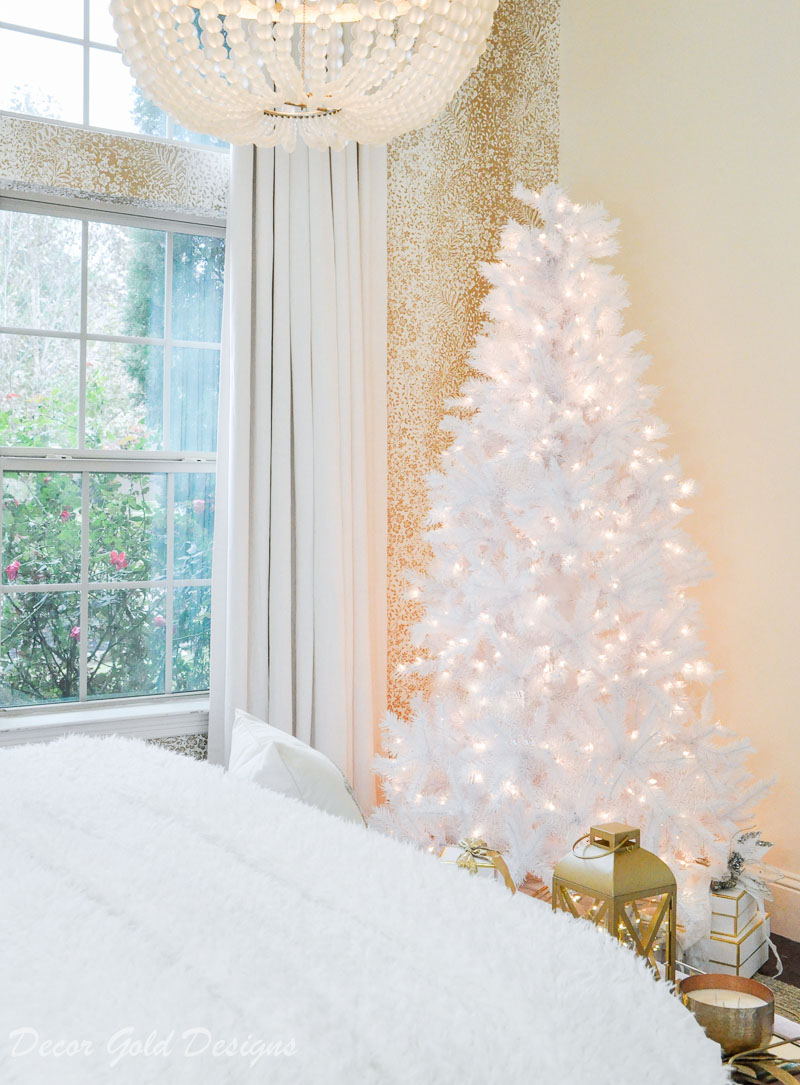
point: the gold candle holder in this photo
(737, 1013)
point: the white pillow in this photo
(282, 763)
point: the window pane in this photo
(191, 645)
(198, 263)
(57, 16)
(126, 643)
(39, 398)
(193, 399)
(183, 134)
(39, 647)
(124, 395)
(41, 76)
(126, 280)
(114, 99)
(127, 527)
(41, 527)
(101, 26)
(194, 525)
(40, 285)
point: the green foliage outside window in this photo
(41, 634)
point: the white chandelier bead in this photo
(327, 71)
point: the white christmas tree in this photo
(567, 680)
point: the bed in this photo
(165, 922)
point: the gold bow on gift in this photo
(473, 849)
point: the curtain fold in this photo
(299, 580)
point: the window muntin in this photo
(61, 61)
(107, 472)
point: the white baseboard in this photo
(784, 908)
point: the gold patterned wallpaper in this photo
(46, 157)
(449, 194)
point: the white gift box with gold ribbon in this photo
(741, 954)
(732, 910)
(484, 868)
(477, 857)
(738, 944)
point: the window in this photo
(109, 350)
(60, 60)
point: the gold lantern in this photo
(616, 884)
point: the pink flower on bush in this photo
(75, 632)
(64, 515)
(160, 621)
(118, 559)
(198, 505)
(12, 569)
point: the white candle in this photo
(732, 1000)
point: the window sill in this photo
(149, 719)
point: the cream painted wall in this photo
(683, 117)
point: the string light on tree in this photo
(567, 682)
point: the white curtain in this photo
(298, 597)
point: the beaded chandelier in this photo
(260, 71)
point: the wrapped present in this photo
(478, 858)
(732, 911)
(739, 940)
(741, 954)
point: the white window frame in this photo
(162, 715)
(88, 44)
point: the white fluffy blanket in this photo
(163, 922)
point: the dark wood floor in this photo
(790, 955)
